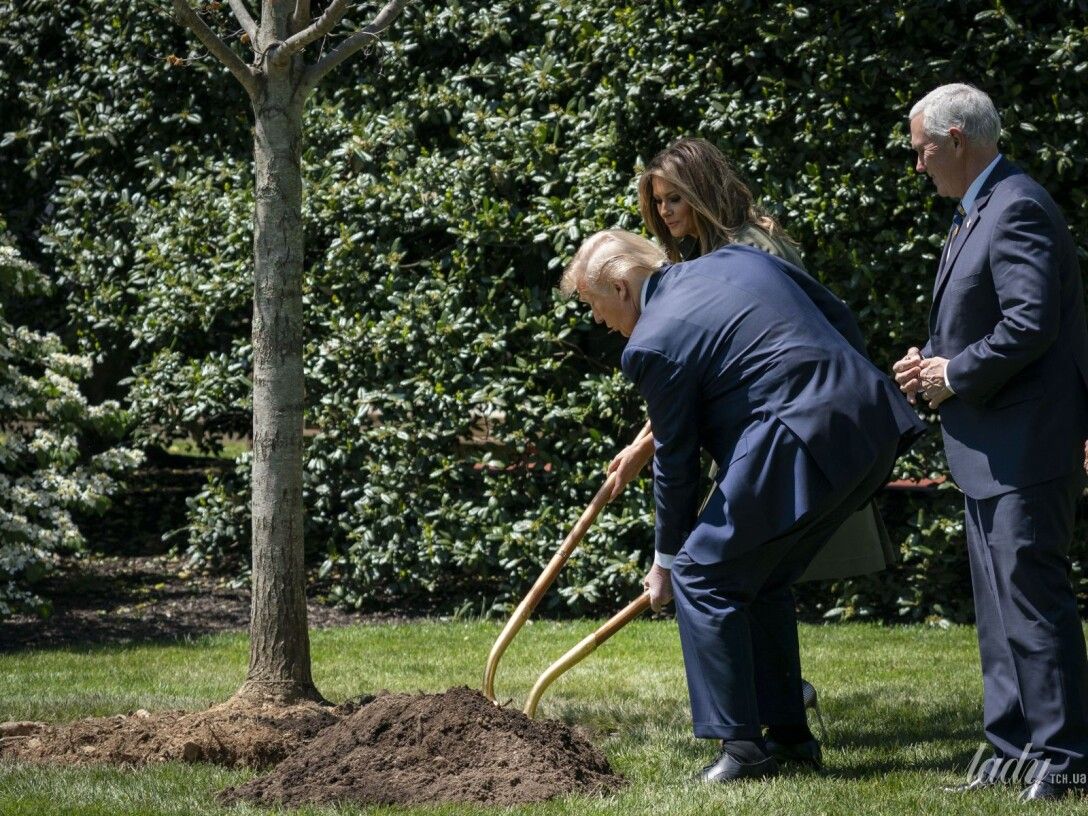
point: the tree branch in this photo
(245, 19)
(322, 26)
(354, 43)
(301, 16)
(242, 72)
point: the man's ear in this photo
(958, 140)
(622, 287)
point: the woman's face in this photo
(672, 208)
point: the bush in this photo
(54, 454)
(463, 414)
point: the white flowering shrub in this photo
(57, 453)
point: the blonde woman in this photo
(693, 202)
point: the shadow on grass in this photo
(906, 736)
(888, 734)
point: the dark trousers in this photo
(738, 625)
(1034, 670)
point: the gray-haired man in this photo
(1007, 364)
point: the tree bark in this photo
(278, 84)
(279, 661)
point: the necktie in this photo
(957, 222)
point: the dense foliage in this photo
(55, 452)
(462, 413)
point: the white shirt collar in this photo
(642, 292)
(969, 197)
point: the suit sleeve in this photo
(671, 393)
(1026, 278)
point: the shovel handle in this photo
(548, 576)
(546, 579)
(584, 648)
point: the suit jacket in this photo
(731, 351)
(1008, 313)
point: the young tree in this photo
(278, 82)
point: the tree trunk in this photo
(279, 657)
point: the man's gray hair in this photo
(962, 106)
(609, 256)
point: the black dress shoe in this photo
(729, 769)
(987, 777)
(1042, 791)
(978, 783)
(803, 753)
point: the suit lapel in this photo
(1002, 171)
(952, 252)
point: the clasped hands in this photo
(915, 374)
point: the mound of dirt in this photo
(430, 748)
(234, 734)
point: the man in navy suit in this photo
(745, 356)
(1007, 365)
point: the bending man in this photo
(735, 352)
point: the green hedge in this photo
(58, 457)
(463, 413)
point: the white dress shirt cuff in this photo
(947, 382)
(663, 561)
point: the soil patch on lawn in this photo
(120, 600)
(234, 734)
(432, 748)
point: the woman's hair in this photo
(609, 256)
(721, 203)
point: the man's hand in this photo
(630, 461)
(659, 581)
(1086, 456)
(908, 373)
(934, 386)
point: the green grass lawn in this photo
(902, 706)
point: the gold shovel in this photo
(584, 648)
(546, 579)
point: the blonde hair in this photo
(609, 256)
(721, 203)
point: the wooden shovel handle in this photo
(546, 579)
(548, 576)
(584, 648)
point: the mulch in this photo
(121, 600)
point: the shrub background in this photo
(59, 457)
(462, 413)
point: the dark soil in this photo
(130, 599)
(432, 748)
(233, 734)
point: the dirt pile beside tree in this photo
(430, 748)
(235, 734)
